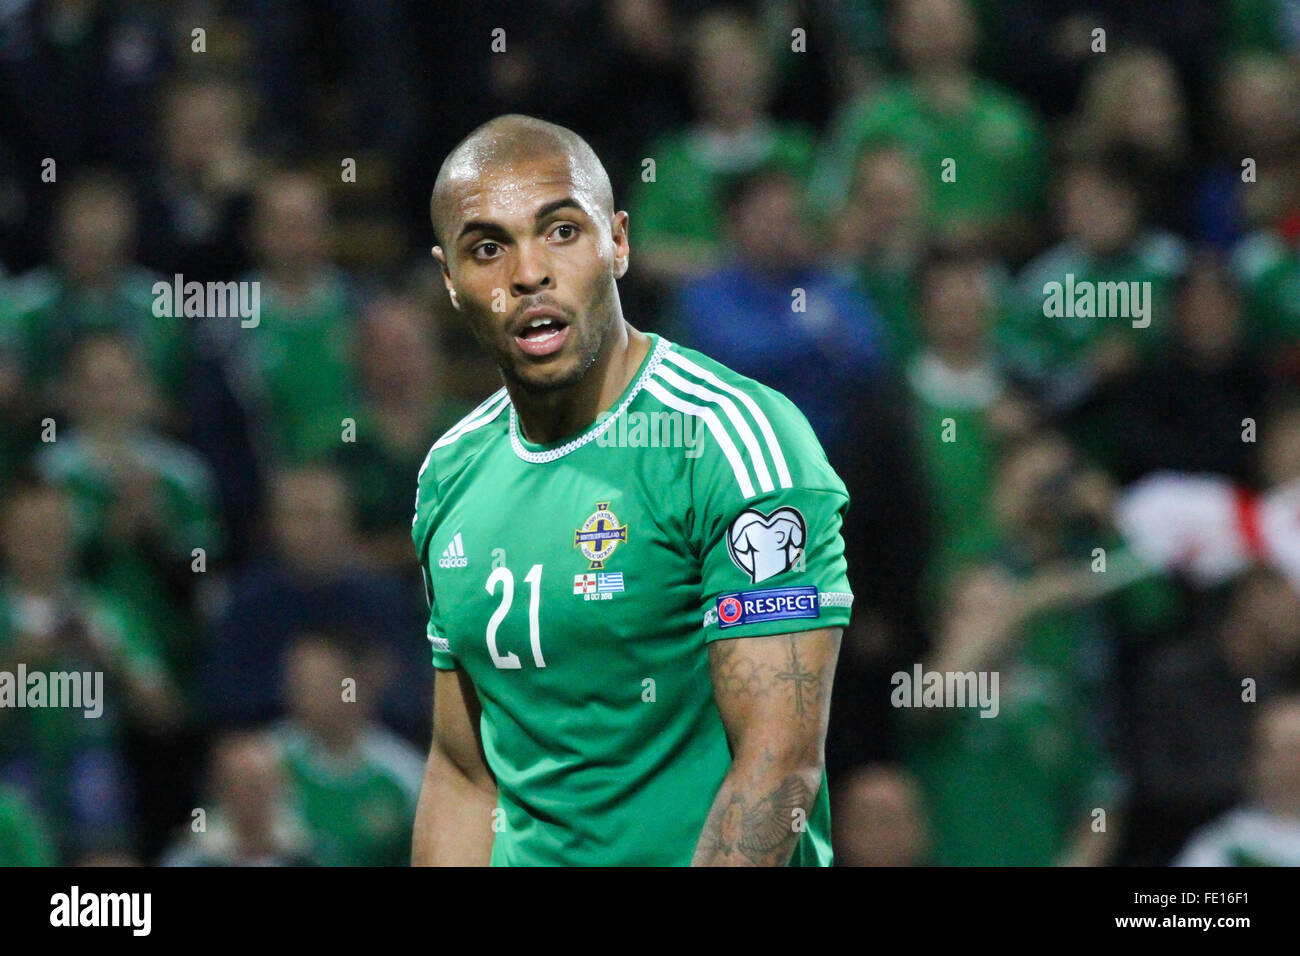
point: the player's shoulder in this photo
(468, 437)
(690, 370)
(461, 444)
(749, 430)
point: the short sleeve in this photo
(422, 527)
(443, 659)
(768, 534)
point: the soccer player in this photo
(632, 554)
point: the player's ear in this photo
(622, 251)
(446, 276)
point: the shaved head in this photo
(531, 250)
(510, 140)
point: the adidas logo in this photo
(454, 554)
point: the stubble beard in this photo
(593, 337)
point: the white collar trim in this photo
(542, 457)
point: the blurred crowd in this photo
(861, 204)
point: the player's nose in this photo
(531, 271)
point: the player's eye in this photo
(564, 231)
(485, 250)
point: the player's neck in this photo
(550, 416)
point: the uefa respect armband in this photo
(768, 604)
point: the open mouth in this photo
(543, 335)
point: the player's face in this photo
(531, 259)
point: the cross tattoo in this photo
(798, 675)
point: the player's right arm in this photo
(453, 820)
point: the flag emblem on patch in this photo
(609, 582)
(584, 583)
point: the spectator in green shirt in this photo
(143, 503)
(1071, 356)
(403, 410)
(678, 216)
(1021, 787)
(355, 783)
(69, 764)
(1018, 789)
(1133, 103)
(93, 286)
(962, 406)
(293, 370)
(881, 234)
(248, 816)
(979, 146)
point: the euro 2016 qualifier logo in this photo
(599, 535)
(764, 546)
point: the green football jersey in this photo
(358, 807)
(577, 584)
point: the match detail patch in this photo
(769, 604)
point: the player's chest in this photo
(561, 567)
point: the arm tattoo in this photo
(764, 833)
(739, 675)
(736, 674)
(773, 695)
(799, 676)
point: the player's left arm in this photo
(774, 695)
